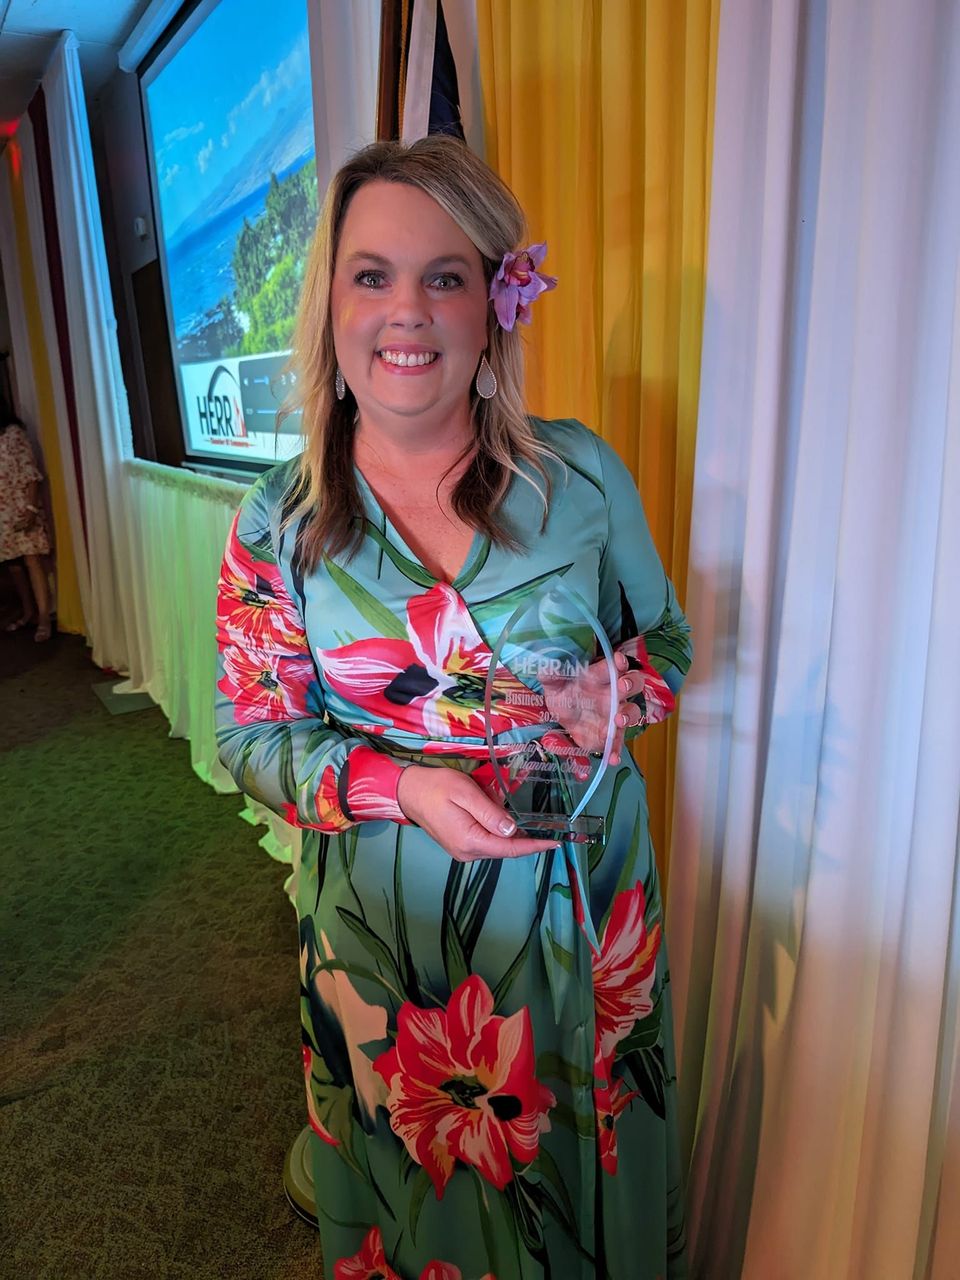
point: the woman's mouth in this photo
(408, 359)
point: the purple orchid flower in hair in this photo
(517, 283)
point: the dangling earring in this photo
(339, 385)
(486, 380)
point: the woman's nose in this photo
(409, 305)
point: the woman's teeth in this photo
(404, 358)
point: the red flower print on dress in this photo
(485, 776)
(315, 1123)
(370, 779)
(656, 698)
(253, 604)
(624, 971)
(431, 684)
(462, 1086)
(447, 1271)
(369, 1264)
(610, 1097)
(331, 816)
(288, 813)
(262, 685)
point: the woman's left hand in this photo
(629, 684)
(581, 706)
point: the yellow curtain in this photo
(69, 610)
(599, 116)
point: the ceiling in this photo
(30, 29)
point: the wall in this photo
(120, 160)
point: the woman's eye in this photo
(449, 280)
(369, 279)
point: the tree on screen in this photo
(269, 262)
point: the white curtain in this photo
(813, 891)
(460, 20)
(178, 531)
(31, 191)
(418, 83)
(344, 64)
(103, 418)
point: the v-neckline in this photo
(476, 552)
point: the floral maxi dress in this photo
(487, 1047)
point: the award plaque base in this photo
(586, 829)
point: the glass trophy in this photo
(550, 707)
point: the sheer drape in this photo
(179, 530)
(103, 417)
(814, 876)
(344, 61)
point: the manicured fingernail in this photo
(508, 827)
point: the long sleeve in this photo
(638, 605)
(271, 718)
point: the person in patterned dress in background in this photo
(487, 1040)
(23, 530)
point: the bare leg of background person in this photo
(41, 592)
(49, 564)
(19, 577)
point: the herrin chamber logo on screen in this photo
(232, 403)
(219, 410)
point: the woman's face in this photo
(408, 305)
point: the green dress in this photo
(487, 1047)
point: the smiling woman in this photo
(487, 1045)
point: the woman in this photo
(488, 1056)
(23, 530)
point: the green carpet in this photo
(149, 1042)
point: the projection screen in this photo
(229, 128)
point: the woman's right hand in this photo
(460, 816)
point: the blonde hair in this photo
(324, 491)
